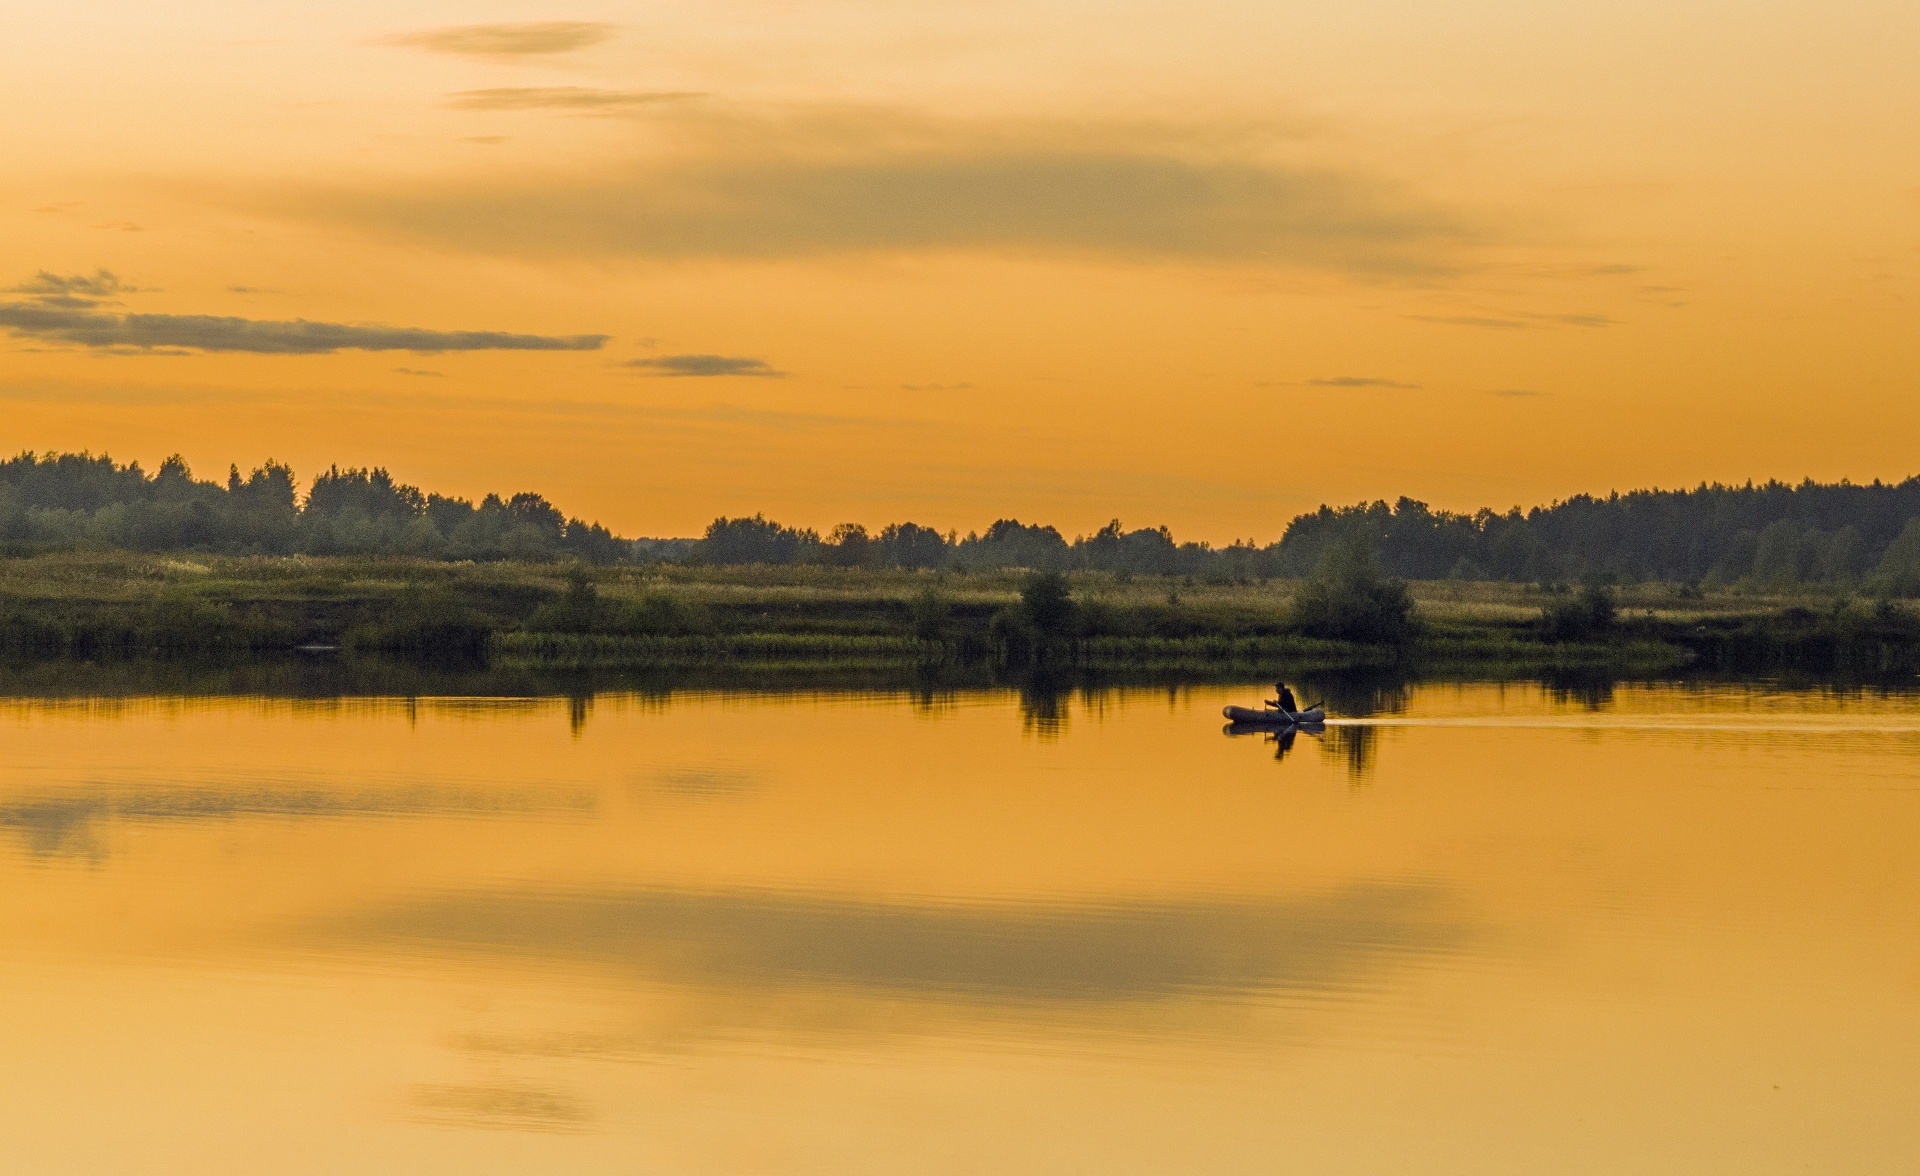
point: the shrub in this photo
(1047, 601)
(432, 626)
(1349, 599)
(576, 610)
(932, 617)
(1579, 618)
(661, 615)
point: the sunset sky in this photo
(1204, 264)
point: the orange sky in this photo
(1204, 264)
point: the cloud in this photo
(407, 371)
(1521, 322)
(715, 184)
(1519, 393)
(576, 98)
(206, 332)
(1471, 320)
(1576, 320)
(534, 39)
(706, 365)
(1358, 382)
(69, 289)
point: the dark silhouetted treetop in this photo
(1771, 536)
(755, 541)
(65, 501)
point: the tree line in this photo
(75, 500)
(1776, 535)
(1771, 536)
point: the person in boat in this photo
(1286, 702)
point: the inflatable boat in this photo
(1274, 717)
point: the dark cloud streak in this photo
(533, 39)
(574, 98)
(706, 365)
(73, 289)
(1358, 382)
(54, 323)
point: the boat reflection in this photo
(1356, 744)
(1282, 736)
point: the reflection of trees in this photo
(1358, 744)
(1043, 706)
(930, 700)
(1357, 694)
(1590, 692)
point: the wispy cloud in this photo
(532, 39)
(1473, 320)
(206, 332)
(580, 99)
(1520, 393)
(1575, 320)
(1518, 322)
(705, 365)
(1358, 382)
(65, 310)
(83, 289)
(720, 185)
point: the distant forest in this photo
(75, 500)
(1775, 535)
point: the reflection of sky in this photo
(69, 823)
(1015, 953)
(831, 921)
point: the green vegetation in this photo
(101, 561)
(1348, 599)
(975, 627)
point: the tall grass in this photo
(527, 615)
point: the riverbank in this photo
(856, 622)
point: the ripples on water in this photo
(1464, 928)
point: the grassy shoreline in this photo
(779, 620)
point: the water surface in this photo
(1477, 929)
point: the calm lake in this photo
(1486, 929)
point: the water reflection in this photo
(579, 706)
(1282, 737)
(1004, 954)
(1043, 706)
(1584, 690)
(498, 1106)
(72, 822)
(998, 939)
(1358, 694)
(709, 781)
(1355, 744)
